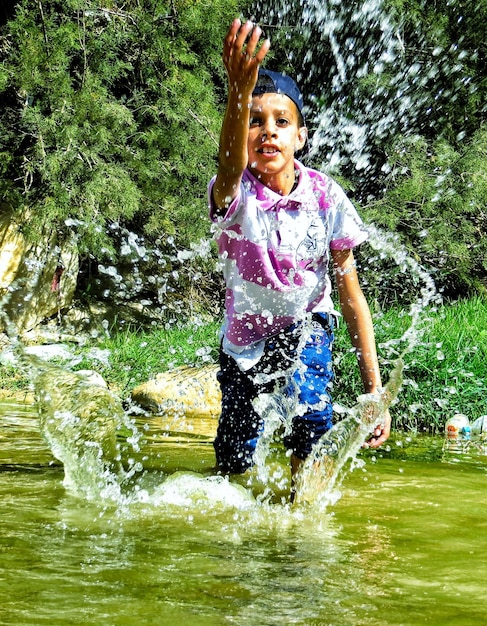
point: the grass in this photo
(445, 373)
(13, 381)
(136, 355)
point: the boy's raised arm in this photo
(241, 57)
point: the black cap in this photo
(275, 82)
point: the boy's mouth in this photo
(268, 151)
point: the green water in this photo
(404, 544)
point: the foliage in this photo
(370, 71)
(154, 282)
(436, 201)
(13, 382)
(445, 41)
(110, 115)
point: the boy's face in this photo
(275, 134)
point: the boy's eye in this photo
(258, 121)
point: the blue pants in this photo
(307, 374)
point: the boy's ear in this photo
(302, 138)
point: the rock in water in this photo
(184, 390)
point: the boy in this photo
(277, 223)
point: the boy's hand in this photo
(381, 433)
(242, 55)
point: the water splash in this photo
(325, 467)
(388, 246)
(321, 470)
(81, 422)
(80, 419)
(189, 489)
(367, 79)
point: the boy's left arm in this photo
(356, 313)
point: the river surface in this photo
(403, 544)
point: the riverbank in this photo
(445, 373)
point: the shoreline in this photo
(21, 397)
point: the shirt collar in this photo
(268, 199)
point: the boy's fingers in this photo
(230, 39)
(241, 51)
(263, 50)
(253, 41)
(379, 436)
(233, 30)
(242, 35)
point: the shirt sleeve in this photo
(232, 208)
(348, 230)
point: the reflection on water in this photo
(403, 544)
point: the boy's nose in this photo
(268, 130)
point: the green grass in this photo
(13, 380)
(445, 373)
(137, 355)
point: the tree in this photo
(436, 201)
(111, 116)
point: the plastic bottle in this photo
(458, 427)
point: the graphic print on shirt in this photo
(313, 247)
(310, 250)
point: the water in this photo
(135, 526)
(403, 545)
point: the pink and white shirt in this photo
(275, 252)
